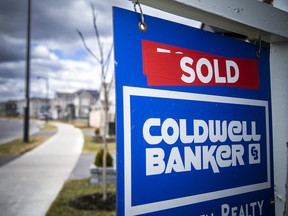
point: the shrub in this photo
(99, 159)
(97, 131)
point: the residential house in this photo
(97, 114)
(73, 105)
(83, 100)
(62, 106)
(8, 108)
(37, 106)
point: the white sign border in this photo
(129, 91)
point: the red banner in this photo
(166, 65)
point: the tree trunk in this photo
(105, 141)
(104, 69)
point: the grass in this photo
(77, 123)
(76, 188)
(48, 127)
(80, 124)
(18, 147)
(73, 189)
(92, 147)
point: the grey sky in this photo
(56, 49)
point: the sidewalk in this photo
(29, 184)
(81, 169)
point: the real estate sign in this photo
(193, 121)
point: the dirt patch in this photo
(94, 202)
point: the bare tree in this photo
(104, 63)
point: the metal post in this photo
(47, 100)
(27, 108)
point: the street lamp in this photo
(47, 96)
(27, 77)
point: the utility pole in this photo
(27, 92)
(47, 100)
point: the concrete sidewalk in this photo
(29, 184)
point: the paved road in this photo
(13, 129)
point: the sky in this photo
(57, 52)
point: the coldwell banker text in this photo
(205, 145)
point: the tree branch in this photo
(97, 34)
(106, 63)
(86, 47)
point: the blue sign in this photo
(193, 121)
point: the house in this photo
(37, 106)
(62, 106)
(8, 108)
(83, 100)
(73, 105)
(97, 114)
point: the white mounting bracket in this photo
(247, 17)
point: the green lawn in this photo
(77, 188)
(73, 189)
(18, 147)
(82, 124)
(92, 147)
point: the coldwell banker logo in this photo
(218, 155)
(254, 153)
(191, 148)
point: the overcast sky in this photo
(57, 52)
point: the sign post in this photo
(193, 121)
